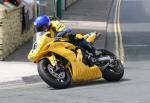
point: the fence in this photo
(53, 7)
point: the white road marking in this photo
(85, 24)
(141, 45)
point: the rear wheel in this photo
(115, 70)
(58, 79)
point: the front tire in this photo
(114, 73)
(50, 79)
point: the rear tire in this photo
(50, 79)
(112, 73)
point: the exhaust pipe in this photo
(103, 59)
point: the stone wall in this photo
(11, 35)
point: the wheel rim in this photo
(114, 67)
(59, 75)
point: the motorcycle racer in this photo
(45, 24)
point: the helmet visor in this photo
(39, 29)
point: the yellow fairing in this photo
(80, 72)
(41, 49)
(47, 48)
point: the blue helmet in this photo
(41, 21)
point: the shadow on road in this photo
(92, 83)
(97, 82)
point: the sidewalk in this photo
(83, 16)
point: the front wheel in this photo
(115, 71)
(57, 79)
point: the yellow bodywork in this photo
(47, 47)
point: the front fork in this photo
(55, 69)
(54, 62)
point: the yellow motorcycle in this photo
(60, 63)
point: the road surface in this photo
(130, 23)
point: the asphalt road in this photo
(135, 25)
(134, 87)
